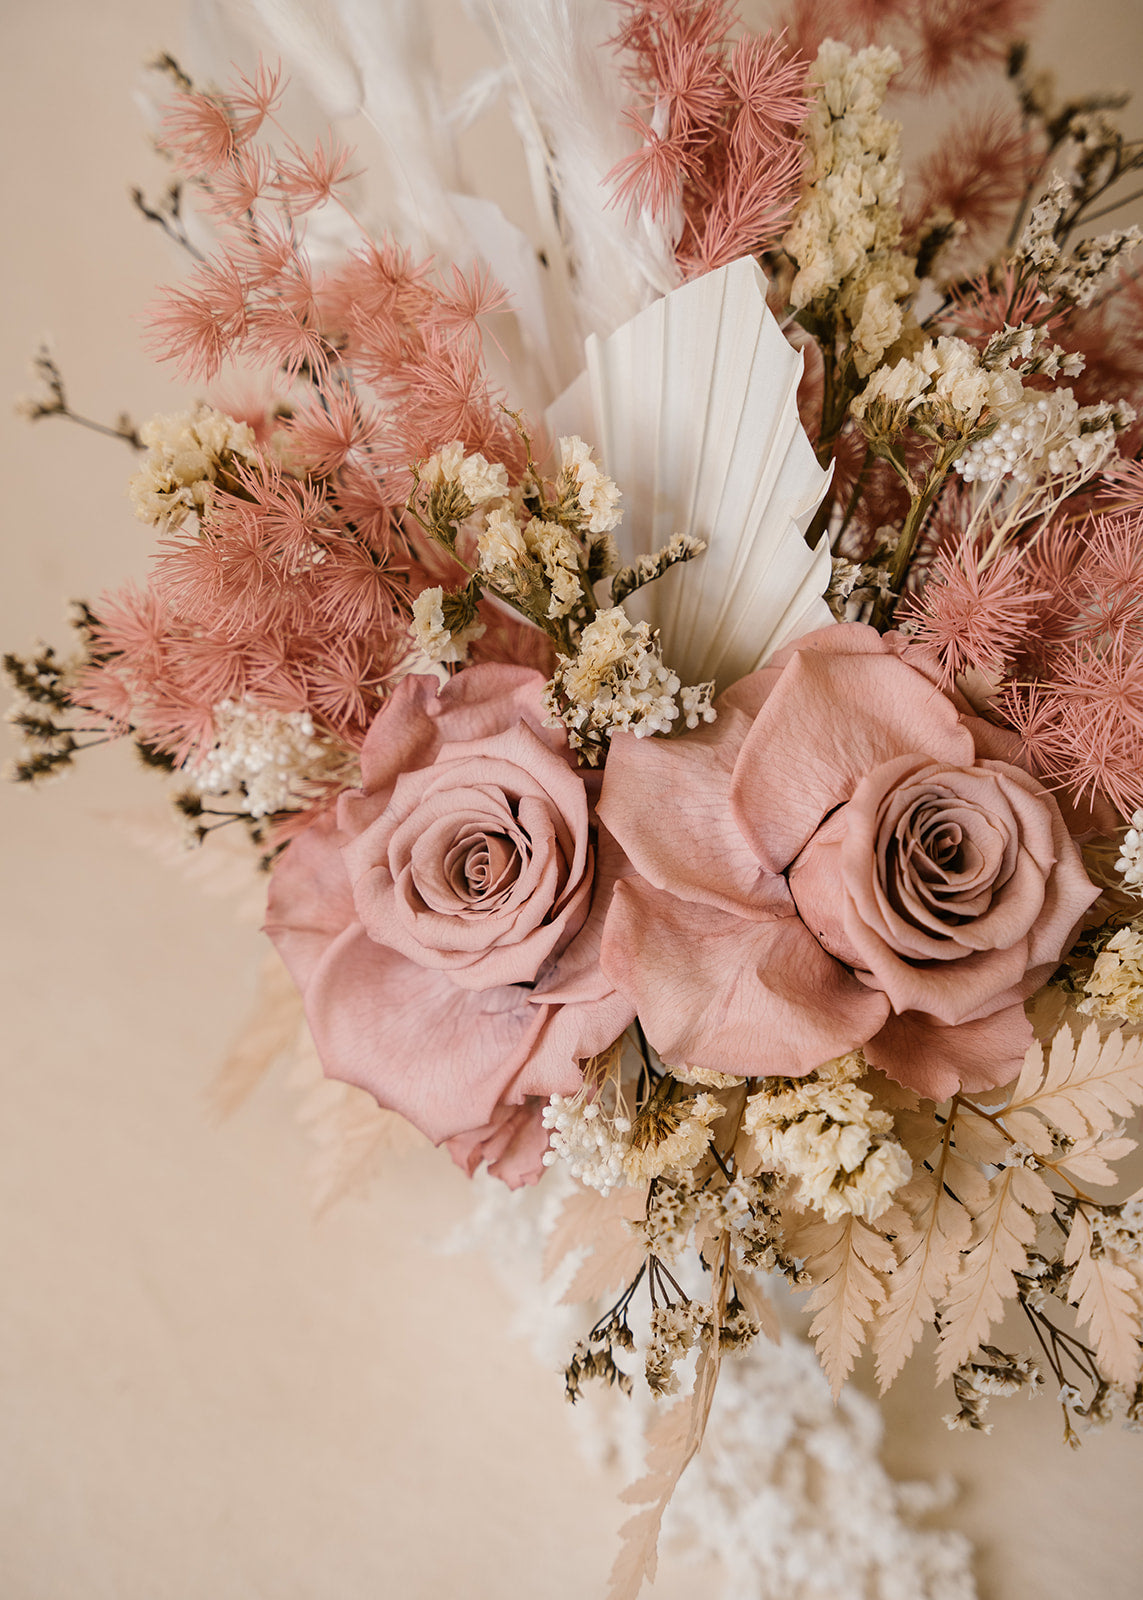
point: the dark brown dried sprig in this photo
(53, 402)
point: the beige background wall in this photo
(203, 1390)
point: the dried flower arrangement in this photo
(721, 777)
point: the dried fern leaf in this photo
(843, 1259)
(1002, 1233)
(269, 1031)
(978, 1138)
(589, 1220)
(1084, 1085)
(928, 1255)
(1108, 1301)
(673, 1441)
(1088, 1161)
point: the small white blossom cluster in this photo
(1114, 987)
(617, 682)
(945, 381)
(855, 589)
(671, 1139)
(1119, 1229)
(270, 755)
(1130, 862)
(523, 558)
(1042, 436)
(824, 1134)
(675, 1207)
(186, 453)
(480, 481)
(846, 230)
(674, 1330)
(591, 1131)
(431, 632)
(596, 493)
(977, 1382)
(1077, 278)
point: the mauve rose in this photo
(847, 856)
(444, 932)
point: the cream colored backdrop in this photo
(203, 1390)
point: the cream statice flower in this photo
(187, 452)
(1130, 862)
(271, 759)
(617, 682)
(555, 549)
(480, 481)
(846, 231)
(438, 634)
(1078, 278)
(500, 542)
(596, 493)
(824, 1134)
(944, 382)
(1115, 986)
(670, 1137)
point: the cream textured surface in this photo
(203, 1390)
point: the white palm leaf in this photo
(692, 406)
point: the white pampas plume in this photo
(567, 104)
(311, 38)
(693, 408)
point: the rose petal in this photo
(719, 991)
(830, 720)
(667, 801)
(937, 1061)
(512, 1144)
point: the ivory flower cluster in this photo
(187, 452)
(824, 1134)
(269, 759)
(846, 231)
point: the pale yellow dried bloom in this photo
(431, 633)
(597, 494)
(501, 542)
(824, 1134)
(677, 1137)
(1115, 987)
(186, 453)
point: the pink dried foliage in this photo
(273, 597)
(969, 616)
(952, 39)
(977, 173)
(1060, 624)
(718, 128)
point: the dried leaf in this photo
(672, 1443)
(929, 1255)
(1108, 1300)
(268, 1033)
(1087, 1161)
(590, 1220)
(978, 1138)
(1084, 1084)
(1002, 1233)
(843, 1259)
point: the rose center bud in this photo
(941, 861)
(482, 868)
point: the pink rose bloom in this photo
(846, 857)
(444, 932)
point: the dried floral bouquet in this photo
(765, 850)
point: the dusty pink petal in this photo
(512, 1144)
(667, 801)
(421, 716)
(715, 990)
(936, 1061)
(829, 721)
(442, 1056)
(513, 801)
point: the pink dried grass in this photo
(718, 129)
